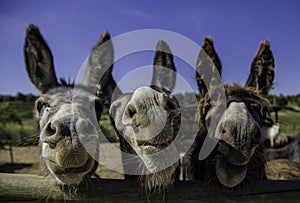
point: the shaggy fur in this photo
(66, 112)
(253, 96)
(136, 114)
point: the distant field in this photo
(289, 122)
(27, 133)
(26, 161)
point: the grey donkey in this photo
(147, 122)
(68, 114)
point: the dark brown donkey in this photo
(238, 153)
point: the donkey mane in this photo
(247, 92)
(66, 82)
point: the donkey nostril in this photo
(131, 111)
(52, 145)
(50, 130)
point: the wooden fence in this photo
(31, 187)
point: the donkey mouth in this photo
(153, 143)
(232, 155)
(231, 165)
(230, 175)
(149, 146)
(67, 171)
(163, 139)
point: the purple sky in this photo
(71, 28)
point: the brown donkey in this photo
(237, 156)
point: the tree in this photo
(282, 100)
(20, 97)
(8, 115)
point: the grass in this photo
(23, 135)
(289, 122)
(107, 128)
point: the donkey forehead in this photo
(236, 109)
(237, 114)
(69, 94)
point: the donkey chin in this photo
(232, 164)
(157, 165)
(69, 164)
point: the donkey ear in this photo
(39, 60)
(262, 70)
(208, 65)
(98, 75)
(164, 70)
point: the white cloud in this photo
(134, 12)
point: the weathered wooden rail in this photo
(31, 187)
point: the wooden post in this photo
(276, 116)
(31, 187)
(11, 153)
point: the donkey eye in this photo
(256, 110)
(255, 105)
(40, 105)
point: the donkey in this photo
(237, 157)
(147, 121)
(288, 149)
(68, 114)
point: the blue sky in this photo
(71, 28)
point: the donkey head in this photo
(68, 114)
(147, 120)
(239, 127)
